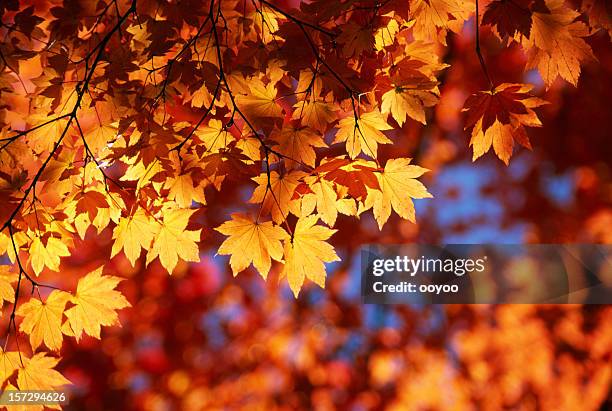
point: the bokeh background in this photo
(202, 339)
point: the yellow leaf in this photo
(47, 255)
(9, 362)
(7, 292)
(276, 198)
(214, 136)
(398, 186)
(401, 102)
(98, 138)
(316, 114)
(43, 321)
(363, 135)
(326, 198)
(183, 191)
(260, 102)
(251, 242)
(307, 252)
(173, 240)
(433, 15)
(558, 45)
(38, 374)
(385, 36)
(95, 304)
(297, 144)
(133, 234)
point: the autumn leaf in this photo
(558, 47)
(89, 202)
(260, 102)
(214, 136)
(509, 17)
(363, 134)
(306, 253)
(9, 363)
(173, 240)
(316, 114)
(38, 373)
(498, 117)
(133, 234)
(398, 186)
(432, 16)
(251, 241)
(48, 254)
(95, 304)
(43, 320)
(276, 196)
(402, 102)
(7, 292)
(297, 145)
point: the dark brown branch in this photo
(479, 53)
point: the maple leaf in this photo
(214, 136)
(132, 234)
(363, 134)
(306, 253)
(90, 202)
(173, 240)
(356, 39)
(7, 292)
(600, 14)
(298, 144)
(9, 363)
(95, 304)
(498, 118)
(100, 137)
(37, 373)
(251, 241)
(182, 190)
(509, 17)
(403, 101)
(276, 196)
(325, 197)
(48, 255)
(260, 102)
(432, 15)
(43, 320)
(314, 113)
(557, 43)
(398, 186)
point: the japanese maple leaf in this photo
(402, 102)
(173, 240)
(307, 252)
(431, 15)
(260, 102)
(398, 186)
(38, 373)
(498, 117)
(276, 192)
(43, 320)
(363, 134)
(133, 234)
(298, 144)
(95, 304)
(251, 241)
(48, 254)
(557, 44)
(214, 136)
(314, 113)
(509, 17)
